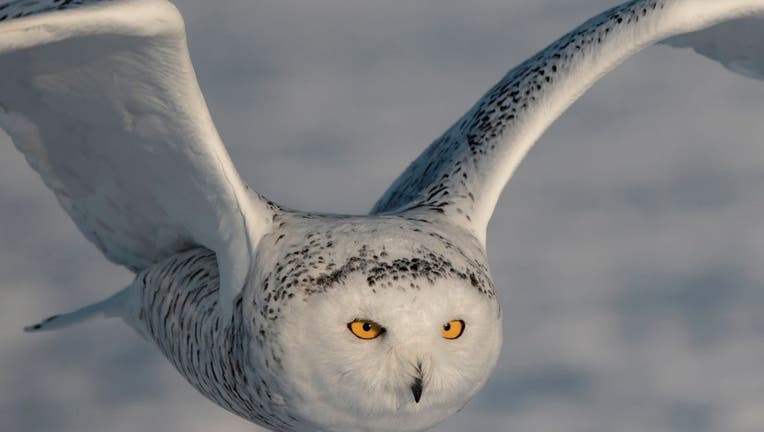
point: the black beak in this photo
(416, 388)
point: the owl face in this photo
(389, 354)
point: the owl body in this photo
(288, 361)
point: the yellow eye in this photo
(452, 329)
(365, 329)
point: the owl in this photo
(296, 321)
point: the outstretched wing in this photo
(462, 173)
(102, 99)
(738, 45)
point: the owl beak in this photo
(416, 387)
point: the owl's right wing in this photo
(102, 99)
(461, 174)
(738, 45)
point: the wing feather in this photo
(462, 173)
(738, 45)
(102, 99)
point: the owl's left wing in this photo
(461, 175)
(102, 99)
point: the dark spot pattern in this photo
(177, 309)
(317, 261)
(451, 175)
(22, 8)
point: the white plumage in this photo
(139, 167)
(737, 45)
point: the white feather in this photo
(738, 45)
(103, 101)
(463, 172)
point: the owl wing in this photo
(738, 45)
(462, 173)
(101, 98)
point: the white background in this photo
(627, 249)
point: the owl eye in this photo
(365, 329)
(452, 329)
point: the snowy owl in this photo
(298, 321)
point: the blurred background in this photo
(627, 249)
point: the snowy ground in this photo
(628, 249)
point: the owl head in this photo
(392, 334)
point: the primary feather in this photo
(736, 44)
